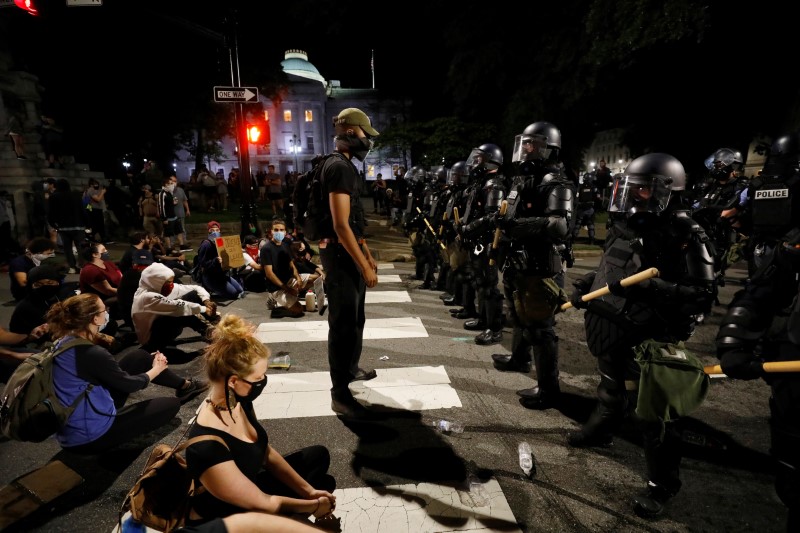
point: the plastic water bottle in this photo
(311, 301)
(132, 526)
(280, 361)
(525, 458)
(448, 426)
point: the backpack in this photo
(161, 497)
(307, 201)
(29, 408)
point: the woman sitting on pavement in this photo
(103, 421)
(101, 276)
(216, 278)
(248, 474)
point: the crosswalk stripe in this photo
(418, 508)
(300, 395)
(389, 278)
(317, 330)
(385, 266)
(382, 297)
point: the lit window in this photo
(309, 115)
(371, 171)
(287, 115)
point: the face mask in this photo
(215, 234)
(278, 235)
(166, 290)
(106, 317)
(256, 387)
(38, 258)
(104, 256)
(46, 292)
(361, 148)
(169, 188)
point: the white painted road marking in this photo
(317, 330)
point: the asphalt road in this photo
(726, 470)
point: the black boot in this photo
(473, 324)
(520, 358)
(651, 502)
(548, 391)
(597, 431)
(489, 337)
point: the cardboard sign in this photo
(230, 250)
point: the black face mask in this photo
(105, 256)
(256, 387)
(359, 147)
(46, 292)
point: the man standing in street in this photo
(348, 264)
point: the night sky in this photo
(687, 77)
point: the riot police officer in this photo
(587, 198)
(763, 322)
(477, 232)
(454, 199)
(718, 205)
(772, 204)
(650, 227)
(537, 228)
(413, 222)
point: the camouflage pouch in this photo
(537, 298)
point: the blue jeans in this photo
(346, 291)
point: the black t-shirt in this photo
(339, 174)
(248, 457)
(279, 258)
(21, 263)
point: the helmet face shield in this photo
(631, 193)
(477, 158)
(530, 148)
(724, 160)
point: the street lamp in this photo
(294, 142)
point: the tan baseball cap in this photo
(352, 116)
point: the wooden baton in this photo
(773, 366)
(498, 232)
(625, 282)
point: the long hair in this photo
(73, 315)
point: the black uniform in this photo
(587, 198)
(537, 229)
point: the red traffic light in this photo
(27, 5)
(253, 133)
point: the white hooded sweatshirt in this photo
(148, 302)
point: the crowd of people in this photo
(499, 247)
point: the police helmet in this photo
(438, 174)
(724, 161)
(458, 173)
(539, 141)
(485, 157)
(415, 174)
(646, 184)
(784, 156)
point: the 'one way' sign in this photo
(235, 94)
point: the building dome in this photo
(296, 63)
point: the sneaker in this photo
(22, 157)
(651, 502)
(195, 387)
(72, 270)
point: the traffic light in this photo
(27, 5)
(253, 133)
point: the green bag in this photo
(672, 382)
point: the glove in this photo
(460, 229)
(616, 288)
(211, 307)
(505, 224)
(575, 299)
(742, 365)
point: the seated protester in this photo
(105, 421)
(129, 284)
(174, 259)
(215, 278)
(44, 285)
(14, 349)
(101, 276)
(140, 240)
(37, 250)
(248, 473)
(303, 262)
(284, 282)
(251, 274)
(162, 309)
(309, 252)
